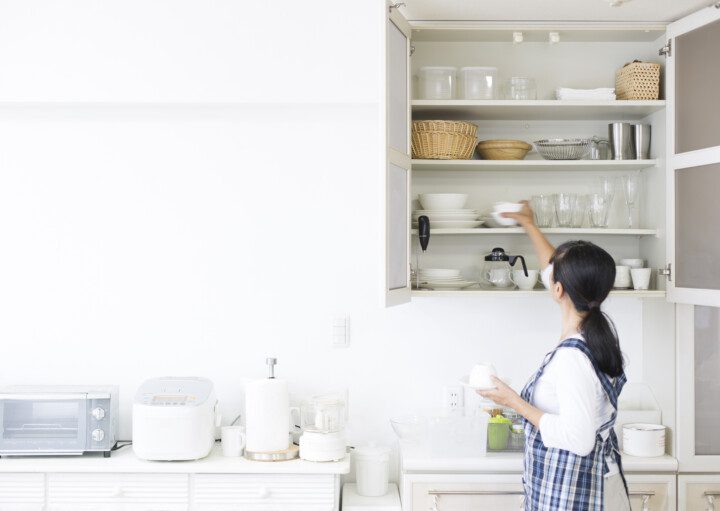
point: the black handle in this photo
(513, 259)
(424, 231)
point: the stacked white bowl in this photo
(447, 211)
(442, 278)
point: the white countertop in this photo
(124, 460)
(512, 462)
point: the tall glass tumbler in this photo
(564, 205)
(598, 209)
(544, 208)
(579, 211)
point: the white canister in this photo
(644, 440)
(372, 469)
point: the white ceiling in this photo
(550, 10)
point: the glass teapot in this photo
(497, 269)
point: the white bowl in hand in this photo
(480, 376)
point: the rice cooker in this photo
(174, 419)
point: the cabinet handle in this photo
(645, 497)
(710, 496)
(438, 493)
(434, 506)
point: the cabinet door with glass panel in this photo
(693, 131)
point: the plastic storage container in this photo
(437, 82)
(372, 469)
(521, 88)
(477, 82)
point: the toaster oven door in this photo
(43, 424)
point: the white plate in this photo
(453, 224)
(440, 271)
(445, 218)
(444, 211)
(465, 382)
(459, 284)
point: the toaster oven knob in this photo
(98, 435)
(98, 413)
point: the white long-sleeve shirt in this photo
(574, 402)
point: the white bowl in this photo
(501, 220)
(507, 207)
(632, 263)
(480, 376)
(443, 200)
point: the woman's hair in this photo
(587, 274)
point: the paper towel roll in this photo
(267, 415)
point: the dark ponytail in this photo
(587, 274)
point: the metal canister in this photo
(622, 143)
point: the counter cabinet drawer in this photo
(652, 492)
(699, 492)
(121, 492)
(247, 492)
(499, 493)
(22, 492)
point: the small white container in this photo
(232, 440)
(644, 440)
(477, 82)
(372, 470)
(437, 82)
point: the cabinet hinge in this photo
(396, 6)
(667, 49)
(666, 272)
(412, 50)
(717, 5)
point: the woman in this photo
(570, 404)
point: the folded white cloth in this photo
(602, 93)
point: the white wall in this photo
(146, 240)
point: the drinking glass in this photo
(598, 207)
(579, 211)
(564, 205)
(544, 208)
(631, 187)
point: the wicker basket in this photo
(638, 80)
(440, 145)
(464, 128)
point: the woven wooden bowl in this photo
(503, 149)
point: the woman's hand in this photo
(525, 217)
(502, 395)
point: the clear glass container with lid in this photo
(477, 82)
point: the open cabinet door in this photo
(397, 159)
(693, 144)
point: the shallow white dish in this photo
(441, 211)
(439, 272)
(465, 382)
(454, 224)
(457, 284)
(466, 217)
(508, 207)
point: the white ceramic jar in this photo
(372, 469)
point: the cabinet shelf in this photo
(535, 165)
(533, 110)
(629, 293)
(550, 230)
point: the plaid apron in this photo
(555, 479)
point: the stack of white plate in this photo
(449, 218)
(442, 278)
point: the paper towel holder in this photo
(270, 361)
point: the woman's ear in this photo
(558, 291)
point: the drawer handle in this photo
(436, 494)
(263, 493)
(645, 496)
(710, 496)
(117, 492)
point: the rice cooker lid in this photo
(174, 392)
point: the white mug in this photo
(525, 283)
(233, 440)
(632, 263)
(480, 376)
(499, 277)
(622, 277)
(641, 277)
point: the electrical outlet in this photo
(453, 397)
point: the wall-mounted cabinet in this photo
(586, 56)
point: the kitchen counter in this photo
(512, 462)
(124, 460)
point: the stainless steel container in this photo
(622, 144)
(641, 136)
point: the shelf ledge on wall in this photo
(428, 293)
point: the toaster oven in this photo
(58, 420)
